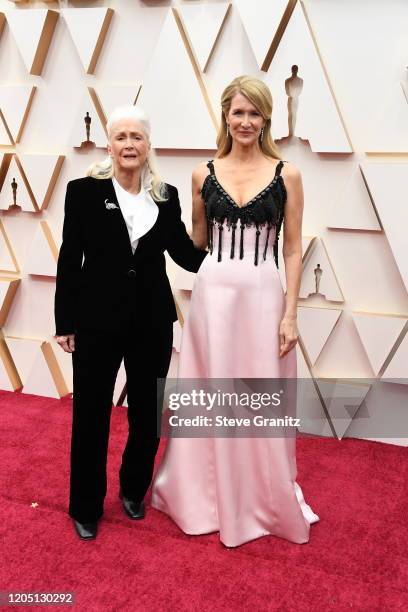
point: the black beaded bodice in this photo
(264, 210)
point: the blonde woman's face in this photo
(244, 120)
(128, 145)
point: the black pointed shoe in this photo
(135, 510)
(86, 531)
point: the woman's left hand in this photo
(288, 335)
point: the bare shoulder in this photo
(291, 173)
(199, 174)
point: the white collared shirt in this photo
(139, 210)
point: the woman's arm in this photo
(179, 245)
(200, 237)
(69, 266)
(292, 254)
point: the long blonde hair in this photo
(259, 94)
(150, 178)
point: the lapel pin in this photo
(110, 205)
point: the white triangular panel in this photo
(398, 366)
(97, 132)
(15, 101)
(203, 24)
(318, 120)
(23, 197)
(111, 96)
(329, 286)
(310, 411)
(354, 209)
(388, 186)
(40, 380)
(24, 352)
(41, 254)
(261, 24)
(32, 30)
(46, 377)
(378, 333)
(391, 133)
(170, 73)
(88, 27)
(342, 401)
(41, 172)
(8, 261)
(315, 327)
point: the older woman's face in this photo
(128, 145)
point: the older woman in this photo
(241, 325)
(113, 301)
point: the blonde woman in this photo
(113, 301)
(241, 325)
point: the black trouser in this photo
(96, 360)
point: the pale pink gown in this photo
(242, 488)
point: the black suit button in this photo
(131, 273)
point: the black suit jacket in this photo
(101, 284)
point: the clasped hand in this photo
(67, 343)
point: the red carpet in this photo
(356, 557)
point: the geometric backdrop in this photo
(348, 135)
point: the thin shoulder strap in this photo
(279, 168)
(210, 165)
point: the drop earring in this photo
(228, 132)
(262, 134)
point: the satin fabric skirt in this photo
(243, 488)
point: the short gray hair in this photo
(128, 112)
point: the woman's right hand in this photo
(67, 343)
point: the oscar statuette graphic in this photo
(318, 275)
(87, 144)
(14, 186)
(293, 88)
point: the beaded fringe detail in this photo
(264, 210)
(210, 232)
